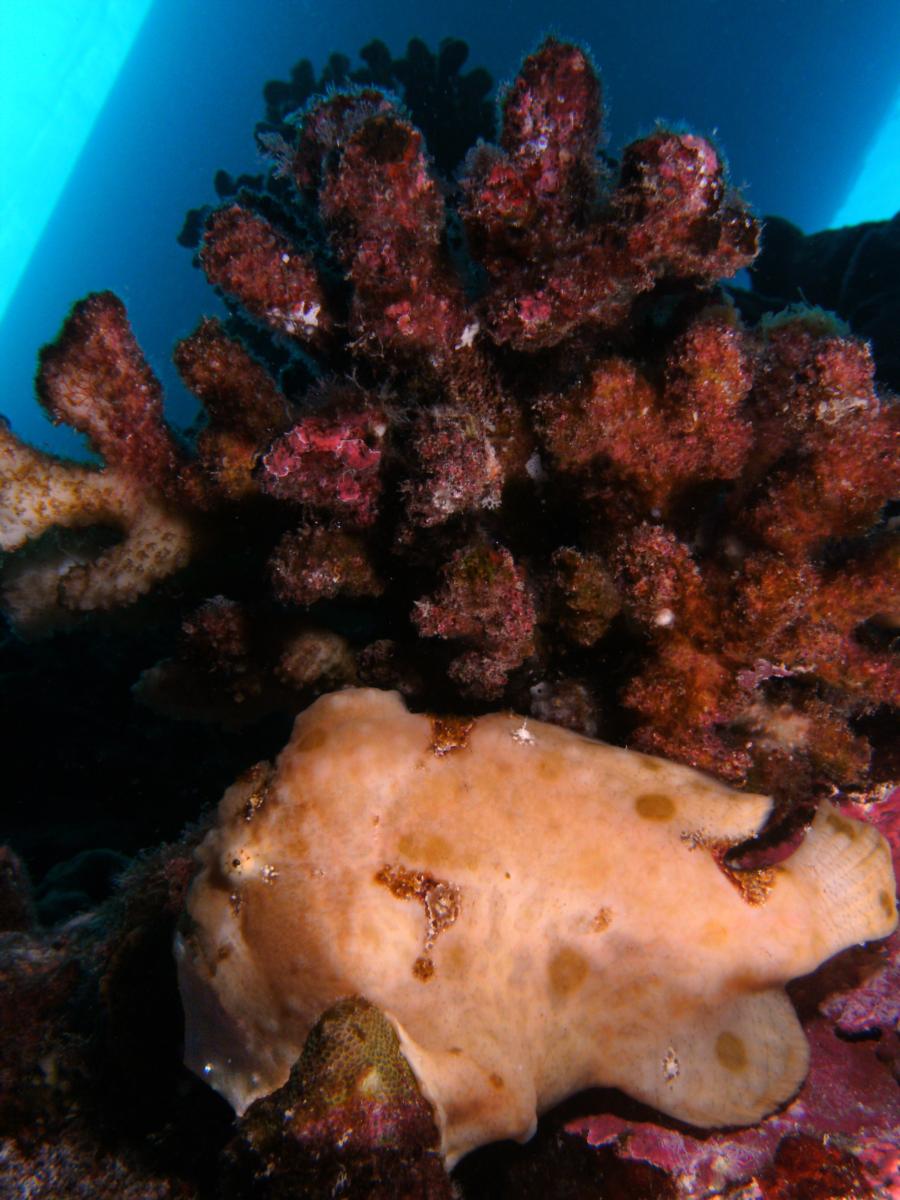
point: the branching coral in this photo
(559, 461)
(96, 380)
(500, 463)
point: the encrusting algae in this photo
(533, 911)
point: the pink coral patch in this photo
(329, 462)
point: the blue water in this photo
(796, 93)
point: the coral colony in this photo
(501, 443)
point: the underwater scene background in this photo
(508, 359)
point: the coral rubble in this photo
(490, 438)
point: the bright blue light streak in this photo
(876, 194)
(58, 61)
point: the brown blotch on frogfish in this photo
(678, 1000)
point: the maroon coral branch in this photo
(808, 370)
(484, 602)
(453, 467)
(244, 409)
(680, 218)
(311, 564)
(326, 127)
(551, 127)
(686, 697)
(584, 595)
(95, 378)
(661, 584)
(848, 470)
(867, 587)
(543, 180)
(558, 261)
(385, 214)
(645, 440)
(708, 377)
(236, 391)
(249, 259)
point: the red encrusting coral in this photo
(332, 462)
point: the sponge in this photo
(533, 911)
